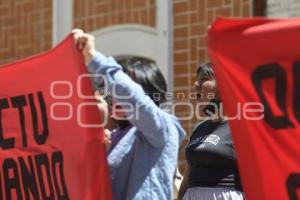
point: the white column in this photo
(164, 26)
(62, 19)
(251, 8)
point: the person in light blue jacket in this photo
(143, 154)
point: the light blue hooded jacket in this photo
(143, 163)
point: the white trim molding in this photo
(127, 40)
(62, 19)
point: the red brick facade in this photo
(25, 28)
(95, 14)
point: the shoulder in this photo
(200, 126)
(223, 130)
(223, 127)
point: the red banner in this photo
(257, 64)
(49, 146)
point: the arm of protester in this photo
(140, 110)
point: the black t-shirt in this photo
(211, 156)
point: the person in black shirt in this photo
(212, 172)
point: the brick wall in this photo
(191, 20)
(25, 28)
(91, 15)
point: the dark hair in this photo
(144, 72)
(205, 70)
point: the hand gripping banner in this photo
(49, 146)
(257, 64)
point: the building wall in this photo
(191, 21)
(25, 28)
(91, 15)
(287, 8)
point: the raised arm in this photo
(141, 111)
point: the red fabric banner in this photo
(50, 147)
(257, 64)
